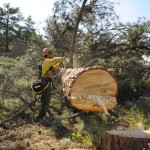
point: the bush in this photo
(86, 139)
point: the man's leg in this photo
(48, 99)
(45, 100)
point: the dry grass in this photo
(34, 137)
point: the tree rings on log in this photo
(90, 89)
(126, 140)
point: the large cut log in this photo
(126, 140)
(90, 89)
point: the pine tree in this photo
(9, 23)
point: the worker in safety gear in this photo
(45, 72)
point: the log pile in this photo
(90, 89)
(126, 140)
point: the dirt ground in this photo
(36, 137)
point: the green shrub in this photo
(86, 140)
(136, 117)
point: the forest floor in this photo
(36, 137)
(83, 132)
(50, 134)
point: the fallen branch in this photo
(18, 113)
(46, 122)
(73, 116)
(55, 109)
(17, 95)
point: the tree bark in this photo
(126, 140)
(90, 89)
(6, 34)
(75, 33)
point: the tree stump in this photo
(126, 140)
(90, 89)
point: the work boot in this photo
(38, 119)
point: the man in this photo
(45, 72)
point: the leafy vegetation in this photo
(87, 140)
(95, 37)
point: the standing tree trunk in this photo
(6, 36)
(75, 33)
(126, 140)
